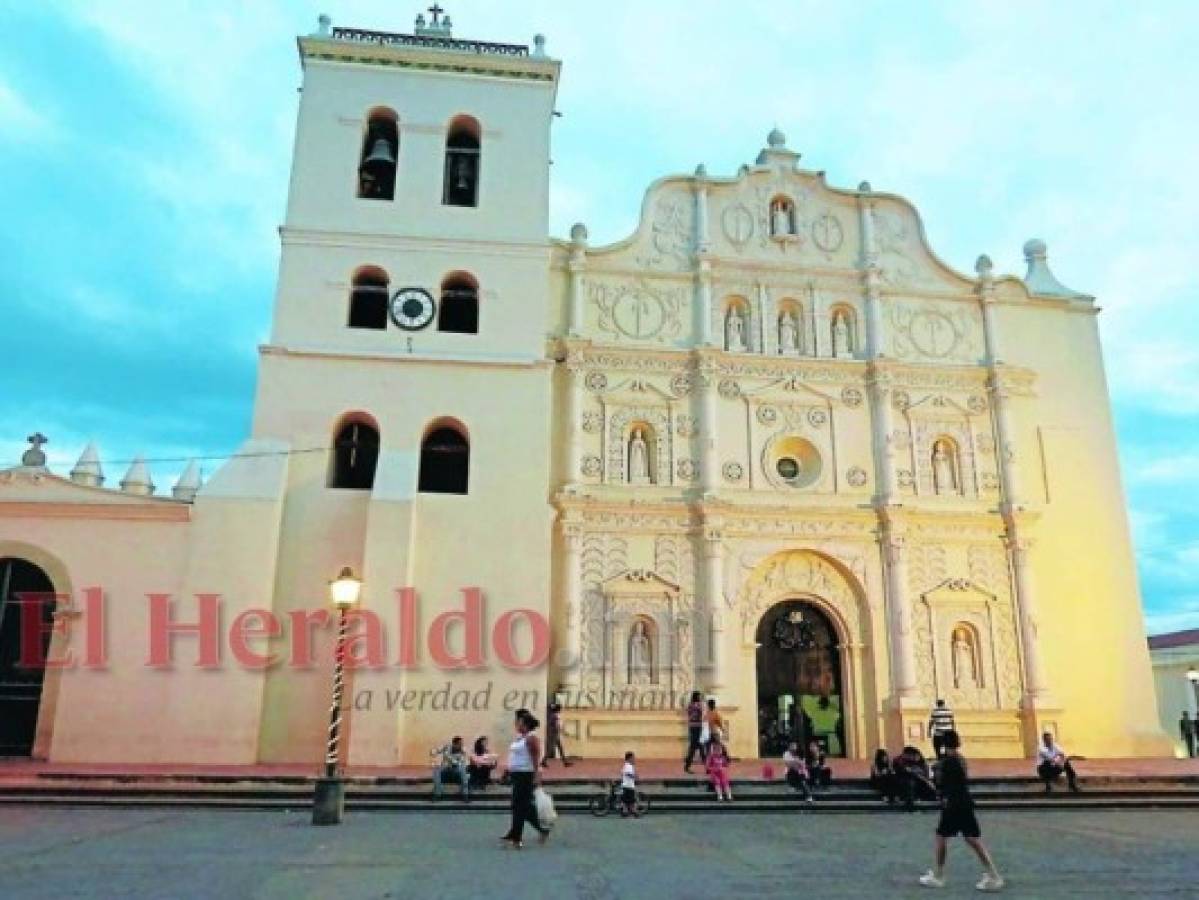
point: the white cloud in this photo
(20, 122)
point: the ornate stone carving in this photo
(900, 400)
(934, 331)
(817, 418)
(733, 471)
(638, 310)
(827, 233)
(593, 422)
(785, 575)
(851, 397)
(737, 223)
(856, 477)
(596, 381)
(904, 478)
(767, 415)
(985, 444)
(681, 384)
(687, 469)
(684, 425)
(591, 466)
(671, 235)
(659, 463)
(729, 389)
(976, 404)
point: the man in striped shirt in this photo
(939, 722)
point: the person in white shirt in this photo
(797, 771)
(1052, 763)
(628, 787)
(940, 720)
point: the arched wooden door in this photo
(25, 591)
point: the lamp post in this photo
(329, 803)
(1193, 678)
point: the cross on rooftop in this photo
(436, 12)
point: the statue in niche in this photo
(780, 218)
(734, 329)
(788, 334)
(945, 478)
(641, 655)
(965, 661)
(638, 458)
(842, 340)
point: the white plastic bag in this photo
(546, 814)
(705, 733)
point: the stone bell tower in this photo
(406, 367)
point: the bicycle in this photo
(602, 804)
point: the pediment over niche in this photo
(637, 582)
(635, 390)
(957, 591)
(788, 387)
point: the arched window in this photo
(355, 455)
(459, 308)
(380, 152)
(368, 298)
(463, 155)
(444, 460)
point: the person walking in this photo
(695, 728)
(523, 754)
(957, 817)
(1052, 763)
(713, 724)
(940, 720)
(1187, 727)
(628, 787)
(553, 735)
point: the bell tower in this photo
(406, 369)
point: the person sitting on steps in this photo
(913, 778)
(882, 777)
(797, 771)
(482, 765)
(818, 771)
(1052, 763)
(451, 766)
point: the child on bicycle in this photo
(628, 787)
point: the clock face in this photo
(412, 308)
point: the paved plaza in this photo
(111, 853)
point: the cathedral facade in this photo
(769, 448)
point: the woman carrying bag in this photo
(523, 757)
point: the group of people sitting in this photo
(908, 777)
(807, 770)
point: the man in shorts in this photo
(957, 817)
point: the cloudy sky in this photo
(144, 148)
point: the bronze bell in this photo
(380, 161)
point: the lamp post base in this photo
(329, 801)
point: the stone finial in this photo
(578, 234)
(419, 25)
(983, 266)
(137, 479)
(88, 470)
(539, 45)
(324, 25)
(1039, 279)
(701, 171)
(35, 457)
(189, 483)
(776, 140)
(865, 187)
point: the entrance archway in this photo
(25, 589)
(800, 686)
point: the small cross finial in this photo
(435, 10)
(34, 455)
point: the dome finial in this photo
(776, 140)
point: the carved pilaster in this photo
(903, 653)
(574, 411)
(570, 663)
(709, 447)
(879, 386)
(703, 300)
(1019, 548)
(577, 265)
(713, 551)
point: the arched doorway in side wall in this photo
(800, 696)
(21, 685)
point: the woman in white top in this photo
(523, 757)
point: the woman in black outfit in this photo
(523, 757)
(882, 776)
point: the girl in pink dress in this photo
(718, 768)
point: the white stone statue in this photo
(945, 480)
(964, 669)
(781, 218)
(788, 334)
(638, 459)
(734, 330)
(841, 339)
(641, 656)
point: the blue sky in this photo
(144, 150)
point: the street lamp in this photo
(1193, 678)
(329, 804)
